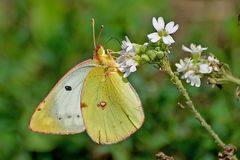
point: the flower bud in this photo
(143, 48)
(160, 54)
(151, 54)
(137, 48)
(145, 58)
(137, 58)
(158, 48)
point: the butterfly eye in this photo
(68, 88)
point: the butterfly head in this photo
(103, 57)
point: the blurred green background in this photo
(41, 40)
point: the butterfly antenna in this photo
(93, 32)
(101, 30)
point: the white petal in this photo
(169, 26)
(121, 69)
(173, 29)
(194, 80)
(126, 74)
(197, 82)
(133, 68)
(186, 49)
(154, 40)
(130, 62)
(212, 59)
(205, 68)
(193, 46)
(161, 23)
(182, 62)
(188, 74)
(178, 65)
(168, 40)
(154, 37)
(127, 39)
(156, 24)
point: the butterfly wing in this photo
(110, 106)
(59, 112)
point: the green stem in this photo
(174, 78)
(233, 79)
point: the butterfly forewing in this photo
(59, 112)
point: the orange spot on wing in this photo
(83, 105)
(102, 105)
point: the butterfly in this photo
(92, 96)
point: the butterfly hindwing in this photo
(59, 112)
(110, 106)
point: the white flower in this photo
(128, 66)
(127, 45)
(126, 61)
(194, 49)
(183, 65)
(192, 78)
(163, 32)
(213, 60)
(205, 68)
(187, 74)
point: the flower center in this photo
(162, 33)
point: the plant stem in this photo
(233, 79)
(174, 78)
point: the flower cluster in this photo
(194, 68)
(128, 60)
(194, 49)
(157, 50)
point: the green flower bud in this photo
(158, 49)
(137, 58)
(143, 48)
(160, 54)
(137, 48)
(145, 58)
(151, 54)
